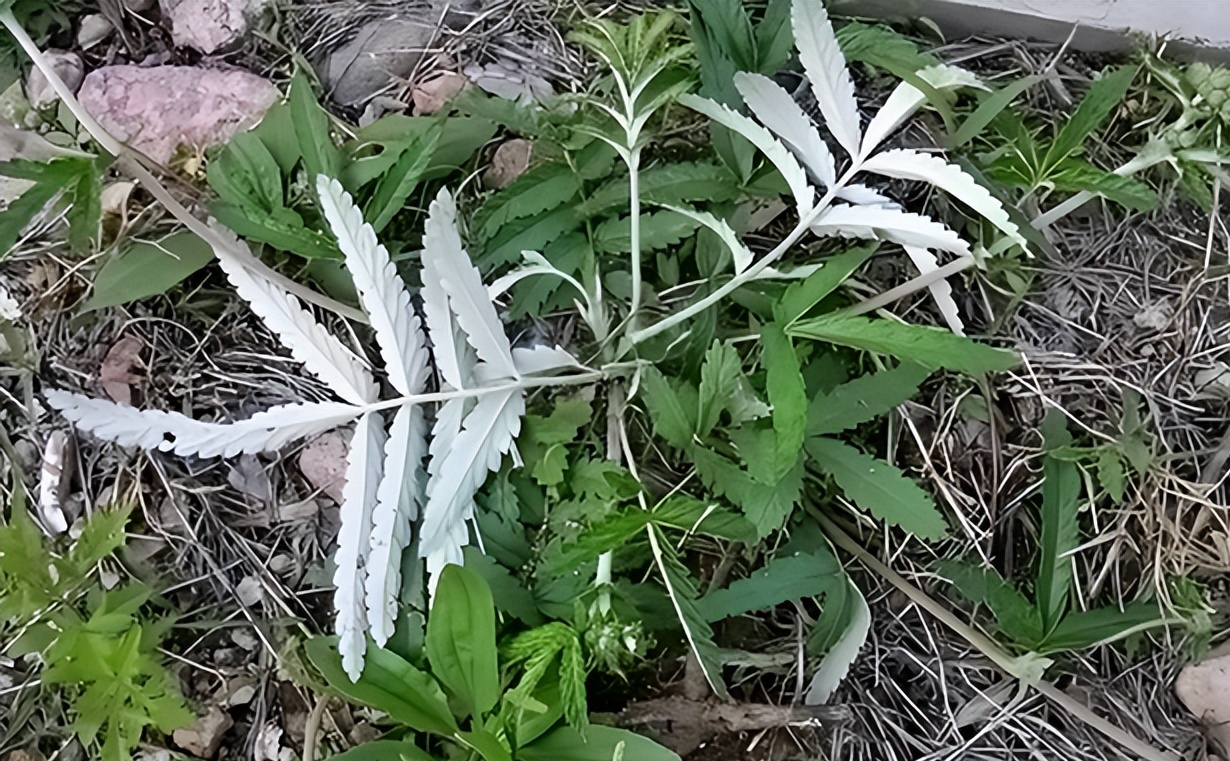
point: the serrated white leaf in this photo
(320, 352)
(952, 179)
(543, 360)
(836, 664)
(486, 436)
(398, 498)
(941, 291)
(535, 264)
(825, 67)
(381, 289)
(882, 223)
(739, 252)
(447, 268)
(775, 109)
(904, 101)
(170, 431)
(363, 468)
(861, 195)
(765, 142)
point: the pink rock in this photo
(209, 25)
(157, 109)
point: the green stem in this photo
(132, 163)
(751, 273)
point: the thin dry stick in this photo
(982, 643)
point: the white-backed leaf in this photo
(775, 109)
(381, 289)
(952, 179)
(543, 360)
(904, 101)
(941, 291)
(486, 435)
(778, 154)
(320, 352)
(836, 664)
(398, 498)
(170, 431)
(363, 468)
(739, 252)
(447, 267)
(535, 264)
(883, 223)
(825, 67)
(861, 195)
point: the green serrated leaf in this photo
(1074, 176)
(1111, 474)
(670, 419)
(1014, 615)
(540, 189)
(863, 399)
(1082, 629)
(926, 346)
(682, 591)
(394, 187)
(878, 487)
(766, 506)
(661, 229)
(311, 126)
(787, 396)
(782, 579)
(1103, 97)
(802, 296)
(719, 380)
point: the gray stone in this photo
(382, 51)
(67, 66)
(155, 110)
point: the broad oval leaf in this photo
(461, 639)
(409, 696)
(148, 268)
(384, 750)
(926, 346)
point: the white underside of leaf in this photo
(170, 431)
(941, 291)
(457, 472)
(825, 67)
(765, 142)
(776, 110)
(904, 101)
(320, 352)
(836, 664)
(739, 252)
(882, 223)
(952, 179)
(448, 272)
(543, 360)
(363, 468)
(861, 195)
(381, 289)
(398, 498)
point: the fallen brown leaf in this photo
(116, 376)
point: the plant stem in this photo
(752, 272)
(1137, 163)
(911, 286)
(634, 207)
(131, 160)
(469, 393)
